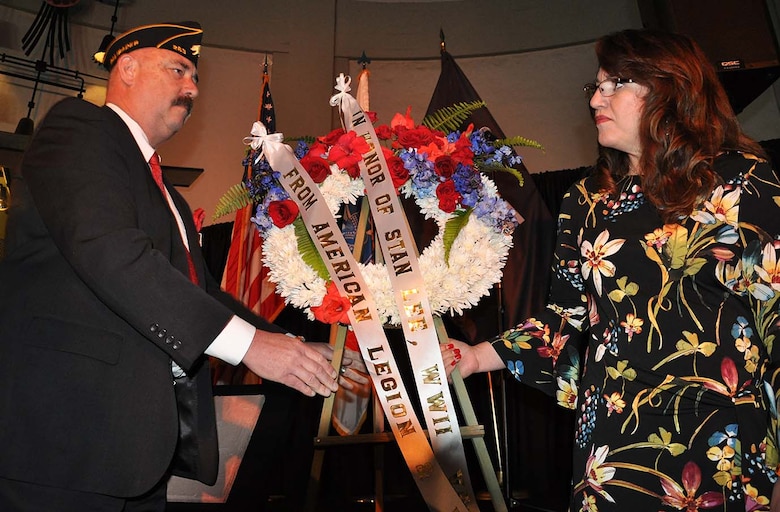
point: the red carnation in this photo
(416, 137)
(283, 212)
(384, 132)
(395, 165)
(463, 153)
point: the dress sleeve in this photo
(760, 215)
(544, 351)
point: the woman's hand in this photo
(457, 354)
(469, 359)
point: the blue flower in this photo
(301, 148)
(516, 368)
(741, 329)
(729, 435)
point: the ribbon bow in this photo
(261, 136)
(342, 85)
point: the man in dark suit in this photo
(107, 311)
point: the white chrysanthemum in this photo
(339, 188)
(476, 260)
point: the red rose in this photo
(331, 138)
(395, 165)
(384, 132)
(371, 116)
(416, 137)
(317, 167)
(444, 166)
(283, 213)
(448, 196)
(334, 307)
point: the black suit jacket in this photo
(95, 301)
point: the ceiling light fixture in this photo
(100, 54)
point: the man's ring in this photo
(343, 370)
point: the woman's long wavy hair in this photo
(686, 121)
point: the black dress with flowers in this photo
(677, 326)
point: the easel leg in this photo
(483, 457)
(338, 335)
(379, 459)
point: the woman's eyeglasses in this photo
(606, 87)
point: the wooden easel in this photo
(472, 430)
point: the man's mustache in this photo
(184, 101)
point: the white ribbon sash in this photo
(434, 485)
(422, 342)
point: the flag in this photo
(526, 268)
(532, 419)
(245, 277)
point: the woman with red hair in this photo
(661, 324)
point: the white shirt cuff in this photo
(232, 344)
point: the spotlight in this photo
(100, 54)
(26, 126)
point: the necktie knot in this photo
(154, 164)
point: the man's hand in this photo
(353, 371)
(287, 360)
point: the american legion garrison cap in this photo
(182, 37)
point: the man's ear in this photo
(127, 68)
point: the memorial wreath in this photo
(442, 169)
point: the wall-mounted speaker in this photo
(737, 36)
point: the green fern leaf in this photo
(483, 167)
(452, 229)
(308, 139)
(518, 141)
(450, 119)
(308, 251)
(233, 200)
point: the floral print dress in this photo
(676, 325)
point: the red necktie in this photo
(154, 164)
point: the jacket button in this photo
(169, 339)
(161, 333)
(176, 345)
(154, 327)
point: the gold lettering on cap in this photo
(122, 49)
